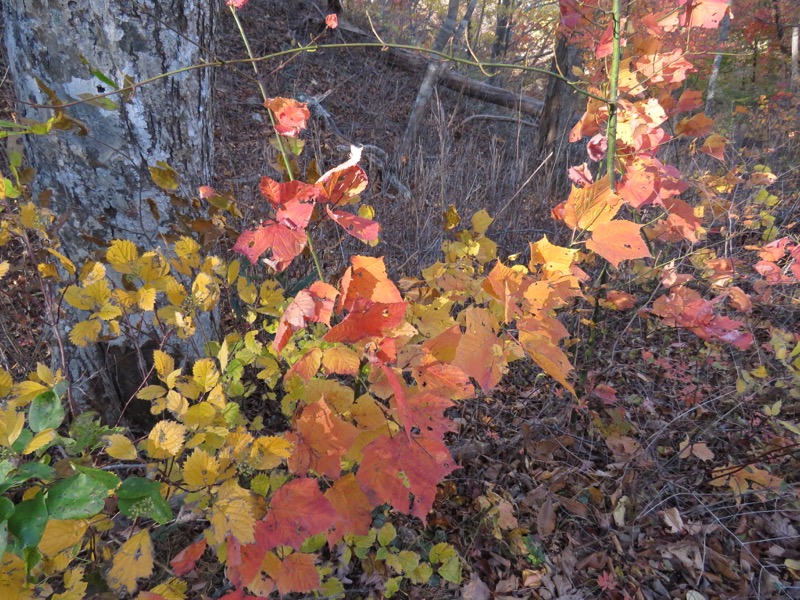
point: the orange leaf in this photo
(295, 573)
(367, 278)
(352, 506)
(618, 240)
(321, 440)
(591, 206)
(185, 560)
(480, 351)
(297, 511)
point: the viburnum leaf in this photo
(306, 366)
(133, 560)
(290, 115)
(618, 240)
(321, 440)
(186, 559)
(342, 184)
(165, 439)
(352, 507)
(404, 472)
(696, 126)
(284, 242)
(234, 513)
(340, 360)
(507, 285)
(399, 398)
(480, 352)
(360, 228)
(295, 573)
(367, 319)
(297, 511)
(367, 278)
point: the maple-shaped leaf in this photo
(480, 351)
(352, 507)
(507, 285)
(618, 240)
(426, 414)
(306, 366)
(367, 278)
(294, 574)
(399, 392)
(404, 472)
(367, 319)
(714, 145)
(321, 439)
(690, 100)
(297, 511)
(290, 115)
(442, 378)
(284, 244)
(591, 206)
(342, 184)
(360, 228)
(312, 305)
(280, 194)
(186, 559)
(696, 126)
(703, 13)
(133, 560)
(547, 355)
(680, 224)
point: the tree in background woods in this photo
(94, 174)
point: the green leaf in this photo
(77, 497)
(3, 537)
(32, 557)
(441, 553)
(392, 586)
(46, 412)
(137, 487)
(108, 479)
(153, 507)
(6, 509)
(22, 441)
(451, 570)
(386, 534)
(28, 521)
(31, 470)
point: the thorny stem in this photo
(281, 147)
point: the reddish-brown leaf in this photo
(480, 351)
(294, 574)
(290, 115)
(353, 507)
(360, 228)
(367, 319)
(404, 473)
(321, 440)
(185, 560)
(297, 511)
(283, 242)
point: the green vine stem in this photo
(613, 92)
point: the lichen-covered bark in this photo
(100, 183)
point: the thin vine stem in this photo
(613, 92)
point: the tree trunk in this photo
(712, 80)
(100, 181)
(502, 30)
(560, 105)
(795, 76)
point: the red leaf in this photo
(367, 278)
(618, 240)
(344, 182)
(441, 378)
(290, 115)
(367, 319)
(185, 560)
(399, 398)
(297, 511)
(332, 21)
(580, 175)
(352, 506)
(597, 147)
(393, 468)
(284, 242)
(697, 126)
(312, 305)
(321, 440)
(704, 13)
(295, 573)
(360, 228)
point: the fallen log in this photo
(450, 78)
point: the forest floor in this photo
(615, 494)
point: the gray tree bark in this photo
(711, 89)
(435, 67)
(557, 117)
(100, 183)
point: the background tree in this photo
(96, 174)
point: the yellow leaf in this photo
(46, 270)
(177, 404)
(205, 374)
(4, 268)
(172, 589)
(98, 291)
(146, 297)
(78, 298)
(74, 584)
(29, 216)
(760, 371)
(62, 535)
(341, 360)
(40, 440)
(481, 221)
(151, 392)
(85, 332)
(152, 268)
(123, 255)
(205, 291)
(5, 382)
(134, 560)
(120, 447)
(200, 469)
(108, 312)
(268, 452)
(68, 265)
(176, 293)
(91, 272)
(125, 298)
(200, 415)
(165, 439)
(233, 512)
(187, 248)
(164, 363)
(27, 390)
(13, 578)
